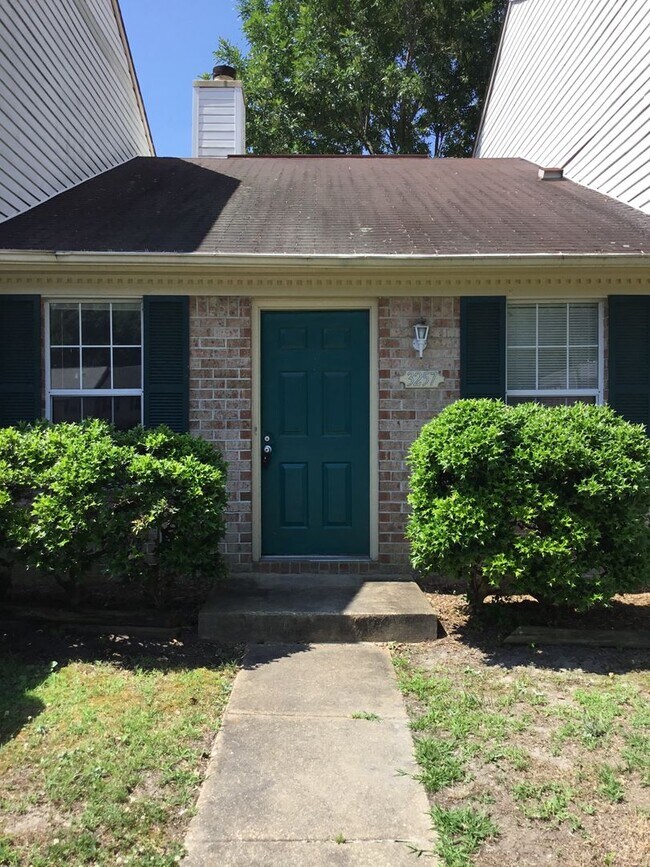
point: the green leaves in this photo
(364, 77)
(530, 499)
(147, 505)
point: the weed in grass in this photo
(466, 715)
(636, 755)
(441, 765)
(593, 718)
(517, 757)
(610, 786)
(363, 714)
(424, 687)
(461, 831)
(548, 802)
(8, 855)
(486, 798)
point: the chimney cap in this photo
(555, 173)
(222, 71)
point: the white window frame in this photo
(90, 392)
(597, 393)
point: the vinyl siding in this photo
(68, 103)
(572, 88)
(218, 120)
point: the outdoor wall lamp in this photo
(421, 330)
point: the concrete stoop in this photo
(317, 608)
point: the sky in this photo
(172, 43)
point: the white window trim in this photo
(90, 392)
(597, 393)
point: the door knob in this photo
(267, 451)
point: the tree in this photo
(364, 76)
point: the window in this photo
(94, 360)
(554, 353)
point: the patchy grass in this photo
(101, 758)
(461, 831)
(535, 756)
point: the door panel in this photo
(315, 411)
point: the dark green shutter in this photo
(629, 357)
(166, 361)
(483, 347)
(20, 359)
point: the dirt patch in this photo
(37, 824)
(559, 783)
(484, 632)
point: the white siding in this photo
(571, 88)
(69, 104)
(219, 119)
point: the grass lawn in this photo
(530, 756)
(103, 744)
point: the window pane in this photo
(126, 324)
(126, 368)
(96, 368)
(552, 325)
(64, 324)
(66, 409)
(583, 324)
(127, 412)
(551, 401)
(552, 368)
(521, 368)
(98, 407)
(583, 368)
(521, 325)
(64, 368)
(95, 324)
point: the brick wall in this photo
(220, 411)
(402, 411)
(220, 405)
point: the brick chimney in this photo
(219, 115)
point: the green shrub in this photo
(553, 502)
(147, 505)
(171, 511)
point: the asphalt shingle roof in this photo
(321, 205)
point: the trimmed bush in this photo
(551, 502)
(146, 505)
(172, 509)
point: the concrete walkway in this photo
(292, 771)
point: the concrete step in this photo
(322, 608)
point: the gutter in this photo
(21, 259)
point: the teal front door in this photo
(315, 433)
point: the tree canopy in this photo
(364, 76)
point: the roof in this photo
(321, 205)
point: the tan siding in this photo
(572, 89)
(68, 106)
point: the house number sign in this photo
(422, 379)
